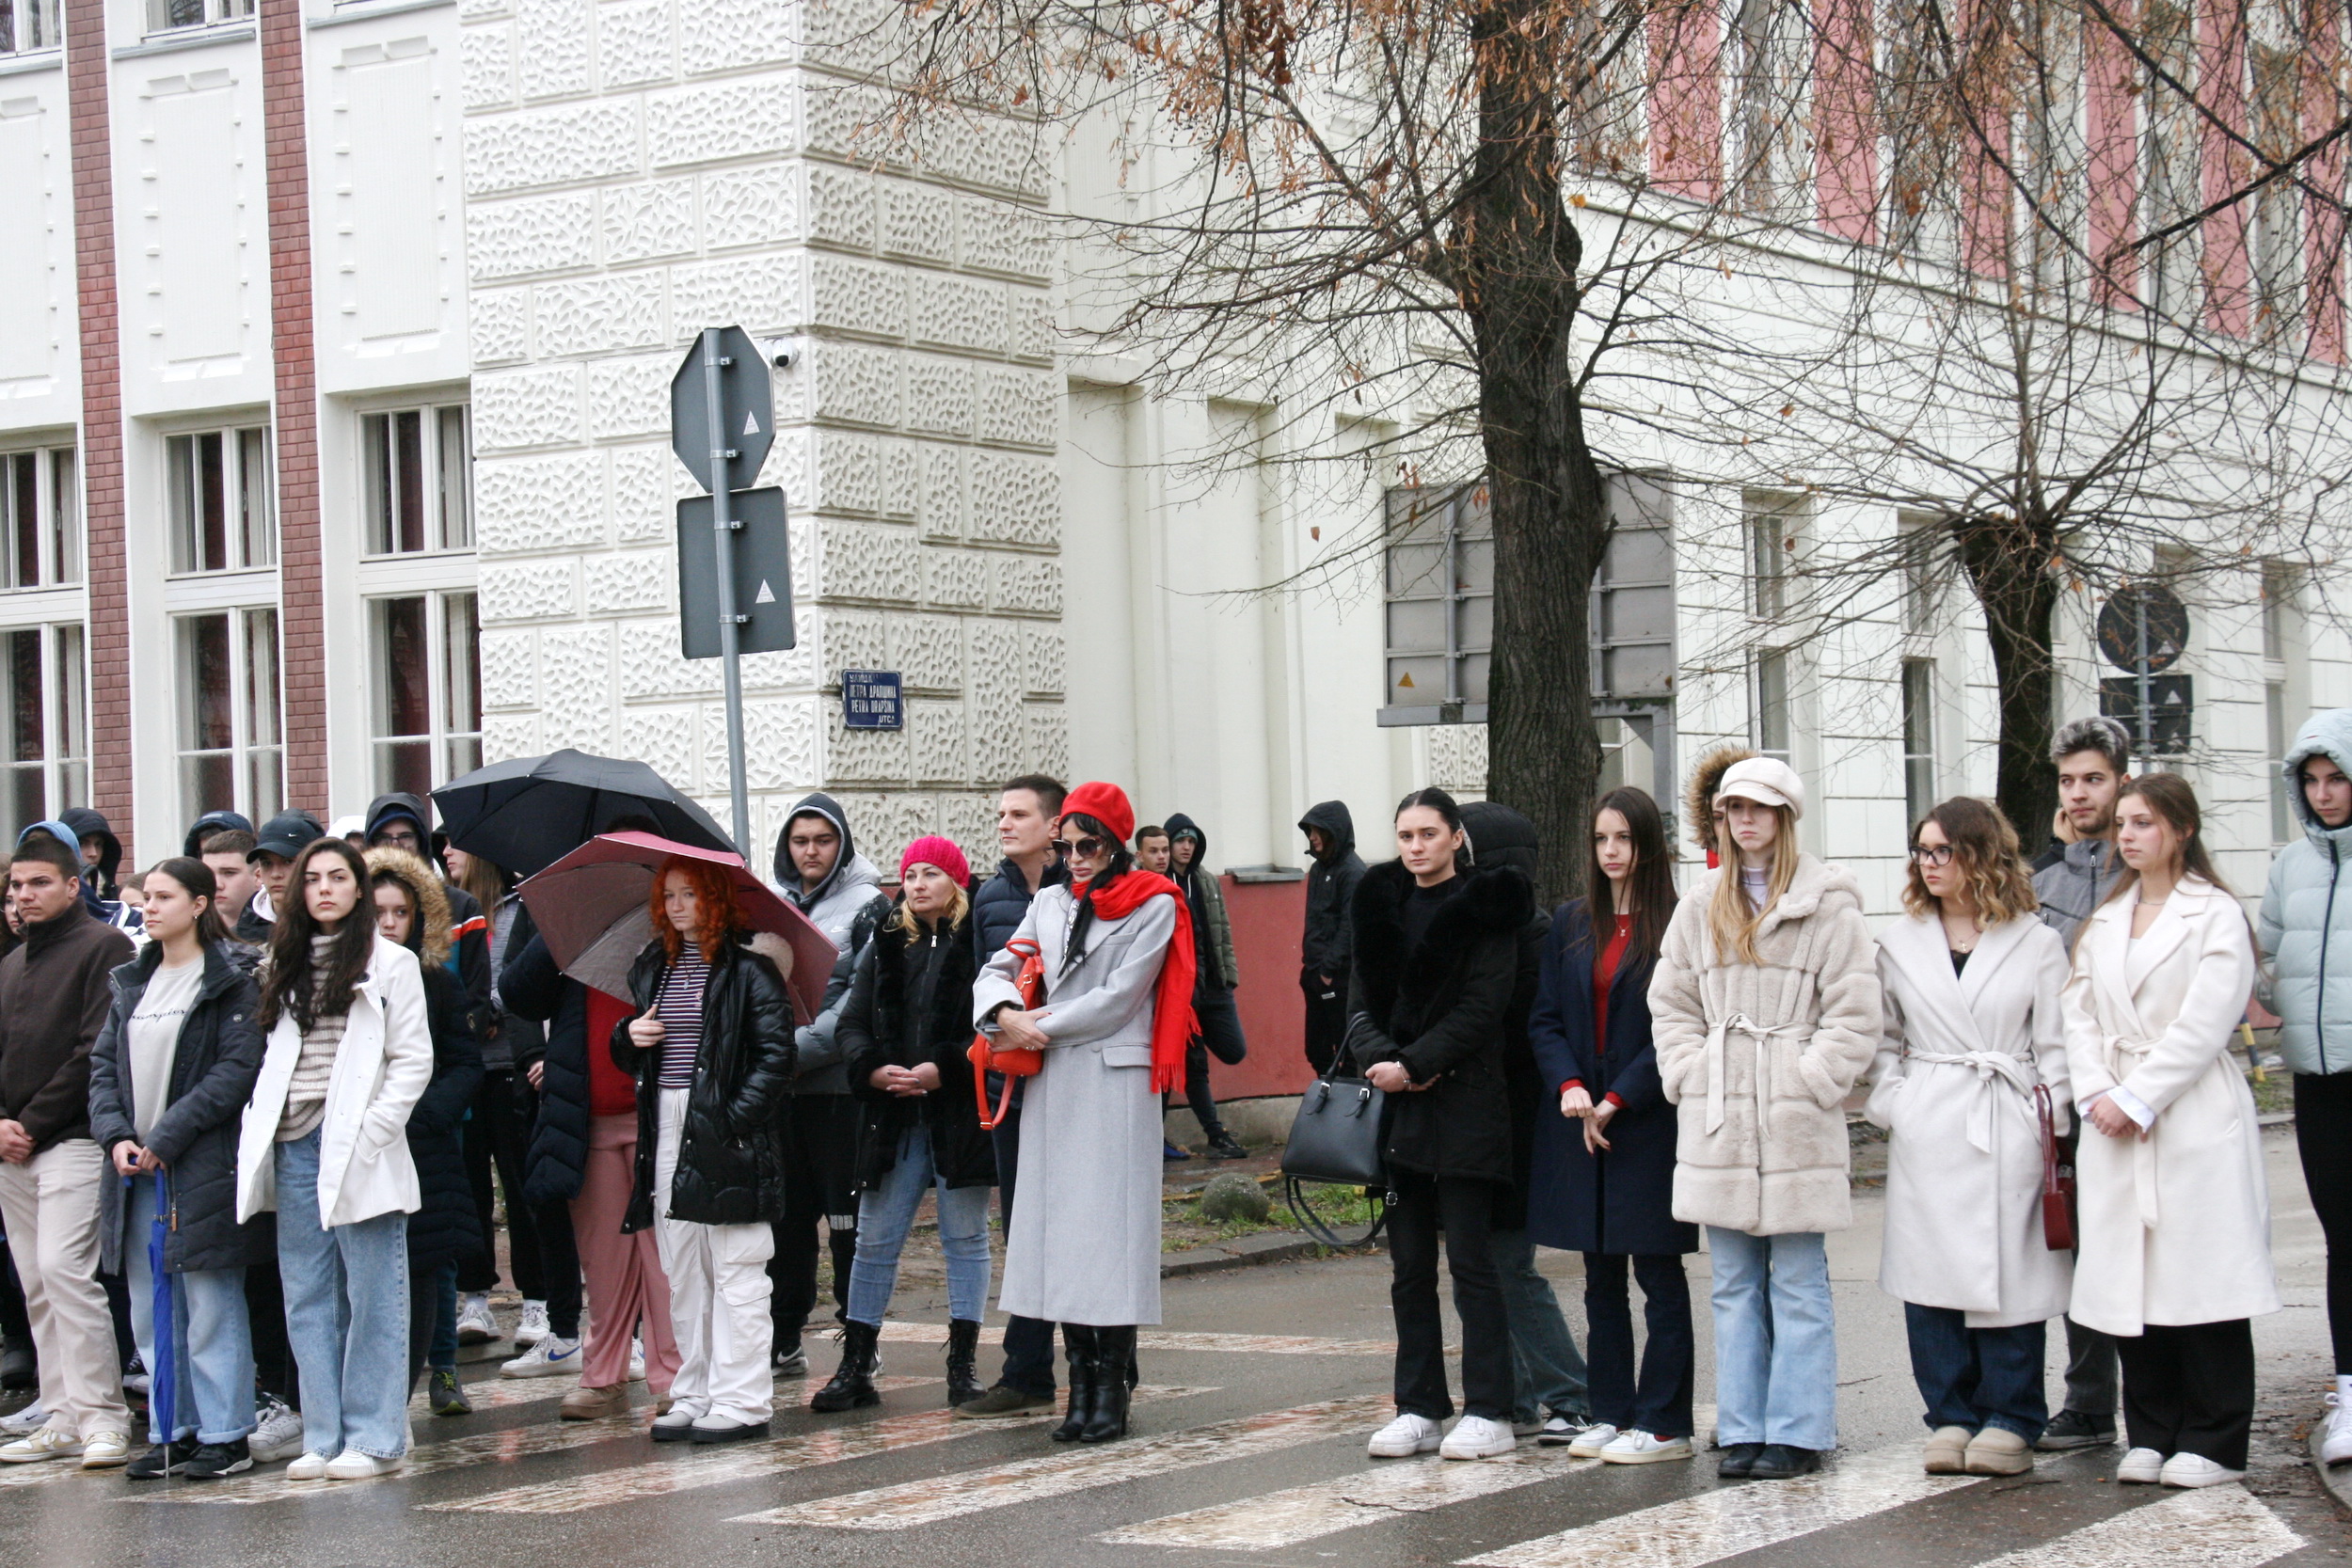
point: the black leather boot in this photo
(1115, 1350)
(853, 1382)
(1079, 1339)
(964, 1361)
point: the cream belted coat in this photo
(2175, 1226)
(1757, 1059)
(1953, 1085)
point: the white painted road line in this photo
(1736, 1518)
(1054, 1475)
(2220, 1527)
(1325, 1508)
(425, 1459)
(505, 1393)
(718, 1466)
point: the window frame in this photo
(13, 12)
(62, 673)
(158, 22)
(1770, 523)
(1918, 697)
(243, 446)
(1772, 695)
(380, 493)
(59, 545)
(249, 748)
(446, 745)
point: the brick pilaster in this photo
(109, 639)
(302, 623)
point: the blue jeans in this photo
(1978, 1377)
(1776, 1340)
(886, 1212)
(346, 1314)
(211, 1345)
(1547, 1372)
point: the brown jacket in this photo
(54, 1000)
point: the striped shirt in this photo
(680, 1009)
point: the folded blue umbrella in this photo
(163, 1372)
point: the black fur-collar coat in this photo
(910, 1004)
(1441, 1007)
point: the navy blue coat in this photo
(1623, 1200)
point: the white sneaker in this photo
(307, 1467)
(45, 1442)
(637, 1361)
(1641, 1448)
(105, 1450)
(476, 1325)
(2141, 1468)
(2195, 1470)
(1476, 1437)
(533, 1326)
(31, 1419)
(1588, 1443)
(351, 1464)
(1404, 1437)
(550, 1357)
(2335, 1442)
(277, 1435)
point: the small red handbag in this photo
(2058, 1180)
(986, 1058)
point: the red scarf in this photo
(1172, 1023)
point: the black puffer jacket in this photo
(1442, 1008)
(912, 1003)
(219, 1057)
(555, 1163)
(445, 1224)
(730, 1167)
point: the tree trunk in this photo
(2008, 562)
(1514, 257)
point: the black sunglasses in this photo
(1089, 846)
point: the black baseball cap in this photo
(284, 835)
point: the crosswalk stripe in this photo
(1054, 1475)
(1324, 1507)
(1740, 1518)
(690, 1471)
(2220, 1527)
(425, 1459)
(1175, 1338)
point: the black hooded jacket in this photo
(1329, 945)
(209, 823)
(89, 823)
(468, 928)
(1500, 837)
(1212, 929)
(1441, 1007)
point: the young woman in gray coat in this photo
(1115, 1017)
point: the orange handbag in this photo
(986, 1058)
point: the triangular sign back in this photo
(751, 424)
(767, 595)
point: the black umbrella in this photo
(528, 813)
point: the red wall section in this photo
(1267, 918)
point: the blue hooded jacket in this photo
(2306, 926)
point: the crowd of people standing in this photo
(320, 1057)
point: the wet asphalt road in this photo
(1247, 1451)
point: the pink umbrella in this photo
(590, 908)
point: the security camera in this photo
(784, 356)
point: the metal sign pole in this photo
(2147, 718)
(722, 526)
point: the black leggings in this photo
(2323, 1136)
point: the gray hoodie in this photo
(2305, 930)
(849, 906)
(2072, 887)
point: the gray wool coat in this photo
(1085, 1246)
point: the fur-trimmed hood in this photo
(428, 937)
(1698, 795)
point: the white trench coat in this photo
(1085, 1242)
(2175, 1225)
(1953, 1085)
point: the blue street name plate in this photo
(871, 699)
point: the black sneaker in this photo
(1739, 1461)
(789, 1360)
(1223, 1146)
(216, 1460)
(444, 1395)
(2072, 1429)
(172, 1457)
(1784, 1462)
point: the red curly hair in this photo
(714, 888)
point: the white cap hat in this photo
(1767, 780)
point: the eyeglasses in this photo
(1932, 854)
(1088, 846)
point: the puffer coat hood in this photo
(209, 823)
(90, 826)
(2306, 926)
(388, 808)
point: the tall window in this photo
(2275, 717)
(1770, 520)
(2278, 102)
(1923, 588)
(2279, 584)
(1773, 40)
(232, 748)
(427, 713)
(224, 513)
(2174, 155)
(418, 481)
(29, 24)
(1768, 728)
(47, 767)
(164, 16)
(1919, 736)
(41, 518)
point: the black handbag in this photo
(1338, 1137)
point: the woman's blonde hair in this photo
(1984, 847)
(907, 923)
(1729, 920)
